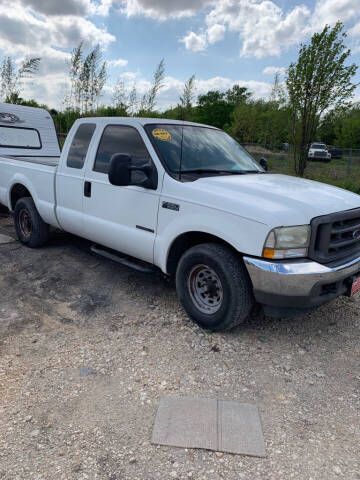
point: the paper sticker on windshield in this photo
(162, 134)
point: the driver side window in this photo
(125, 140)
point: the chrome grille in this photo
(335, 236)
(320, 154)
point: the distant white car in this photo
(319, 152)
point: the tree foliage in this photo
(186, 99)
(12, 77)
(319, 81)
(149, 98)
(87, 79)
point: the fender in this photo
(45, 208)
(19, 178)
(241, 234)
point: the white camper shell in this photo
(28, 132)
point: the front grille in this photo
(320, 154)
(335, 236)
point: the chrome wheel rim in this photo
(25, 223)
(205, 289)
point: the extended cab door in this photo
(121, 218)
(70, 179)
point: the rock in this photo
(86, 371)
(219, 454)
(287, 367)
(337, 470)
(132, 460)
(173, 474)
(34, 433)
(76, 467)
(215, 348)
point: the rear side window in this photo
(120, 139)
(80, 145)
(16, 137)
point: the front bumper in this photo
(288, 287)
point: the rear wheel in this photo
(30, 227)
(214, 287)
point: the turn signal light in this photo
(269, 253)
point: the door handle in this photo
(87, 189)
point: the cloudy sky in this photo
(222, 41)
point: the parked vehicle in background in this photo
(318, 152)
(187, 200)
(336, 152)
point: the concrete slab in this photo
(6, 239)
(211, 424)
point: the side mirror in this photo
(264, 164)
(120, 170)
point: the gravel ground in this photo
(87, 348)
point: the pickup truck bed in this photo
(50, 161)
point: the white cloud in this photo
(330, 11)
(195, 42)
(262, 26)
(173, 87)
(215, 33)
(162, 9)
(69, 7)
(49, 29)
(273, 70)
(23, 33)
(120, 62)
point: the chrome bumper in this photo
(298, 283)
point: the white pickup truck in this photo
(187, 200)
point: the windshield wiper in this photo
(214, 170)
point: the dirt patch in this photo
(87, 348)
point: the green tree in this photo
(261, 121)
(148, 100)
(12, 78)
(186, 99)
(237, 95)
(216, 108)
(319, 81)
(347, 128)
(87, 79)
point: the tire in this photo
(31, 229)
(214, 287)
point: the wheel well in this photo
(186, 241)
(18, 191)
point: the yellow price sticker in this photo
(162, 134)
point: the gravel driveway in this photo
(87, 348)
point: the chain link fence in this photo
(342, 170)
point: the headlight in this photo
(287, 242)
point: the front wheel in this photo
(214, 287)
(30, 227)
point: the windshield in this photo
(200, 150)
(318, 146)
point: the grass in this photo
(334, 173)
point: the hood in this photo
(275, 200)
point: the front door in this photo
(121, 218)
